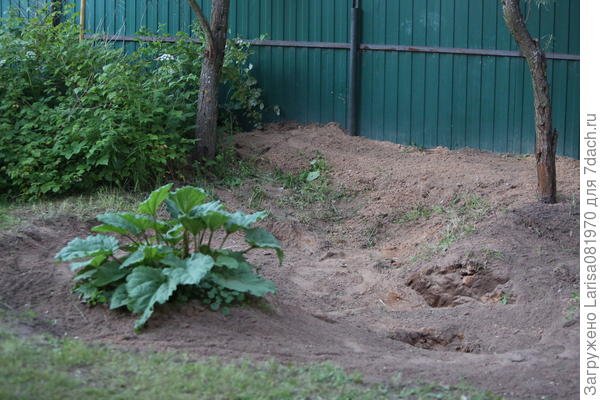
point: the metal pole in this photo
(82, 19)
(353, 73)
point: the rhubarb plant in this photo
(174, 247)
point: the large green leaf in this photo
(313, 175)
(227, 262)
(243, 280)
(90, 293)
(92, 262)
(119, 297)
(124, 223)
(241, 221)
(231, 259)
(151, 205)
(213, 214)
(85, 274)
(183, 200)
(147, 287)
(91, 246)
(146, 255)
(190, 271)
(193, 224)
(108, 273)
(263, 239)
(134, 258)
(174, 234)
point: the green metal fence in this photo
(432, 72)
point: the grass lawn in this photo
(42, 367)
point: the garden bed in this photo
(439, 265)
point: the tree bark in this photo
(56, 8)
(545, 144)
(208, 96)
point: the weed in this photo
(311, 191)
(419, 212)
(491, 254)
(371, 236)
(574, 205)
(257, 196)
(461, 214)
(29, 315)
(573, 308)
(227, 169)
(505, 298)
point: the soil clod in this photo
(455, 284)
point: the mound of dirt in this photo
(455, 284)
(439, 265)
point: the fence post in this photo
(82, 19)
(353, 73)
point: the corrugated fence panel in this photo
(458, 100)
(424, 99)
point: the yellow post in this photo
(82, 20)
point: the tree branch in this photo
(203, 23)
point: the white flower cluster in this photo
(30, 54)
(166, 57)
(2, 62)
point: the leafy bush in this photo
(240, 102)
(74, 115)
(159, 259)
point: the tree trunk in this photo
(56, 8)
(545, 144)
(208, 96)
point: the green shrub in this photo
(75, 115)
(159, 259)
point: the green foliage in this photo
(76, 115)
(33, 367)
(159, 259)
(240, 103)
(311, 191)
(228, 169)
(505, 298)
(311, 180)
(419, 212)
(460, 216)
(85, 206)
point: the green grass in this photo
(492, 254)
(227, 170)
(257, 197)
(505, 298)
(82, 206)
(39, 367)
(7, 219)
(573, 306)
(460, 216)
(310, 192)
(415, 214)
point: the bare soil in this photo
(368, 283)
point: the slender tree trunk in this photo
(208, 96)
(545, 144)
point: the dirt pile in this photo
(435, 264)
